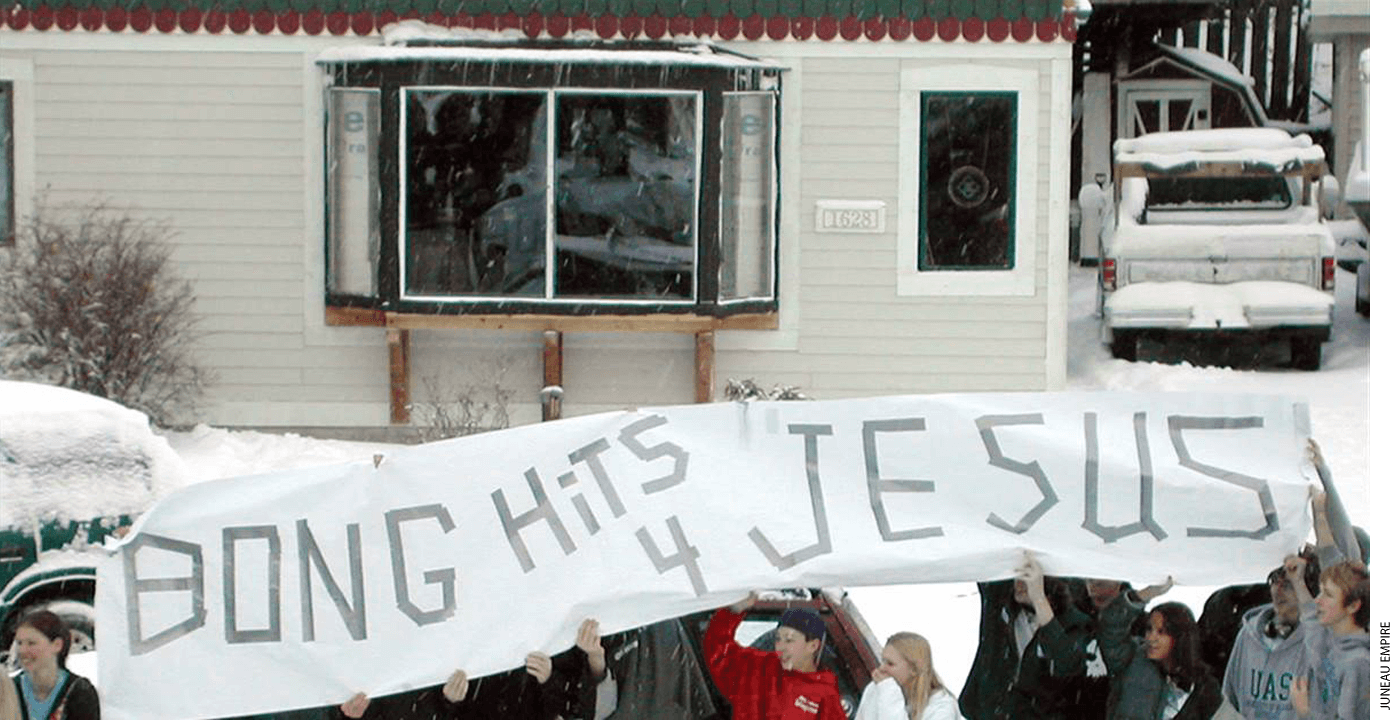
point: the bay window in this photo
(552, 180)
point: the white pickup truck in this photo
(1218, 234)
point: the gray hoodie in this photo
(1257, 678)
(1339, 670)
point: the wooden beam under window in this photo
(705, 366)
(656, 322)
(399, 398)
(552, 404)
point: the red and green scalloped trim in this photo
(845, 19)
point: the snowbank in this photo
(66, 455)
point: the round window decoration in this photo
(968, 186)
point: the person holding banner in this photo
(1032, 653)
(46, 689)
(785, 684)
(1161, 676)
(1268, 655)
(546, 688)
(905, 685)
(1336, 683)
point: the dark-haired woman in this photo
(1162, 675)
(46, 689)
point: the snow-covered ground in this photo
(947, 614)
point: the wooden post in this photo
(705, 366)
(399, 398)
(1279, 84)
(552, 402)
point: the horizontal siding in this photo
(238, 288)
(785, 365)
(876, 329)
(194, 92)
(211, 306)
(273, 169)
(228, 111)
(181, 182)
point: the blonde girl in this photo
(905, 686)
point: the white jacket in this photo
(884, 700)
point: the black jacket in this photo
(1041, 685)
(77, 700)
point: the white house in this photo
(627, 199)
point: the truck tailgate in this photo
(1221, 254)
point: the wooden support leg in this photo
(398, 376)
(705, 366)
(552, 403)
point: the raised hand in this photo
(539, 666)
(456, 688)
(591, 643)
(1298, 695)
(743, 606)
(1152, 592)
(356, 706)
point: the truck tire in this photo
(1307, 353)
(1124, 345)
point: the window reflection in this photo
(968, 150)
(625, 195)
(475, 193)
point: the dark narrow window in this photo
(968, 170)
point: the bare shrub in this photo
(744, 390)
(91, 303)
(453, 410)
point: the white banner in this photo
(300, 588)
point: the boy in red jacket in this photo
(781, 685)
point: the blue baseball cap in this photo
(805, 621)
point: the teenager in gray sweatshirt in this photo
(1337, 681)
(1268, 652)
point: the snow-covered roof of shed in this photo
(1253, 146)
(417, 40)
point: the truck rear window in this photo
(1265, 192)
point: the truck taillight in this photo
(1108, 274)
(1329, 273)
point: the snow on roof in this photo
(403, 41)
(1266, 146)
(67, 455)
(1220, 69)
(1209, 62)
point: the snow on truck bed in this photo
(1214, 307)
(1270, 147)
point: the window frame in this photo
(9, 224)
(708, 83)
(969, 78)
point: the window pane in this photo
(353, 192)
(1234, 193)
(475, 193)
(625, 195)
(968, 176)
(746, 202)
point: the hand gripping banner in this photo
(301, 588)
